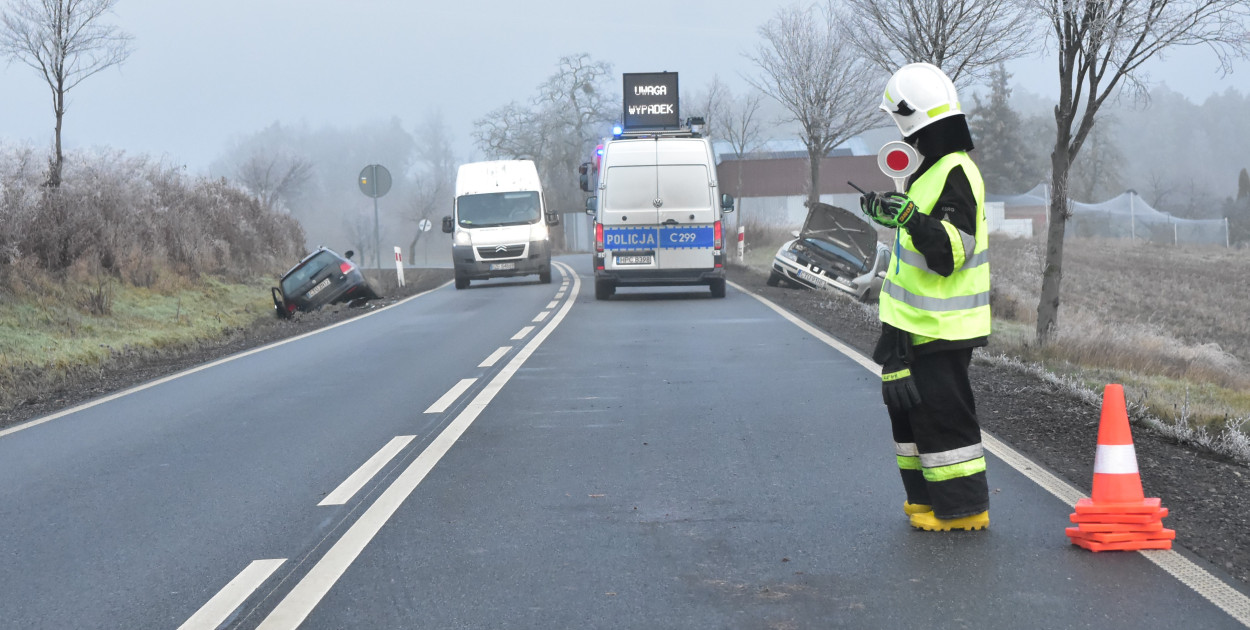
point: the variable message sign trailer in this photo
(500, 220)
(657, 205)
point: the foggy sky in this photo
(206, 71)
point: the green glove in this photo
(892, 209)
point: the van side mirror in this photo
(592, 205)
(553, 218)
(726, 203)
(348, 254)
(448, 226)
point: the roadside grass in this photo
(49, 328)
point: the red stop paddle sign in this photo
(898, 160)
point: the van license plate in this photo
(502, 266)
(633, 260)
(317, 289)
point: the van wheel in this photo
(604, 289)
(774, 279)
(718, 288)
(462, 282)
(545, 276)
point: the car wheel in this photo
(774, 278)
(462, 282)
(718, 288)
(604, 289)
(545, 276)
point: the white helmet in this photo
(918, 95)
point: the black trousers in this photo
(946, 435)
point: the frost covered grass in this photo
(1165, 322)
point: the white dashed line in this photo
(299, 603)
(219, 608)
(452, 394)
(553, 304)
(541, 316)
(358, 479)
(521, 335)
(495, 356)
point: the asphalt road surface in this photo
(520, 455)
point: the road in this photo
(520, 455)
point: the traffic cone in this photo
(1117, 515)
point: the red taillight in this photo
(290, 308)
(717, 236)
(345, 267)
(598, 237)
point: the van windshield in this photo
(495, 209)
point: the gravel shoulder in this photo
(1053, 426)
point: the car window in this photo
(493, 209)
(629, 187)
(305, 272)
(685, 186)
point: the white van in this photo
(500, 223)
(657, 212)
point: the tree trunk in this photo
(813, 195)
(54, 175)
(1052, 274)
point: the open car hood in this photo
(843, 228)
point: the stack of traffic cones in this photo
(1118, 517)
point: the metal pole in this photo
(377, 240)
(1132, 212)
(1227, 241)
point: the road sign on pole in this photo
(425, 225)
(375, 181)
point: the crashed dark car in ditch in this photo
(322, 277)
(836, 250)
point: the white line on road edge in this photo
(1215, 590)
(495, 356)
(522, 333)
(162, 381)
(452, 394)
(358, 479)
(219, 608)
(299, 603)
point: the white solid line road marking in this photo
(553, 304)
(218, 609)
(1228, 599)
(495, 356)
(299, 603)
(452, 394)
(522, 333)
(358, 479)
(161, 381)
(541, 316)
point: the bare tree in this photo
(434, 178)
(965, 38)
(273, 178)
(1101, 47)
(66, 42)
(807, 64)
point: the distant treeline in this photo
(134, 219)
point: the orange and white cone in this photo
(1118, 516)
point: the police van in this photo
(656, 205)
(500, 223)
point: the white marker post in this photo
(399, 266)
(898, 160)
(742, 243)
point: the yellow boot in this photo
(928, 522)
(916, 508)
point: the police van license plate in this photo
(317, 289)
(633, 260)
(502, 266)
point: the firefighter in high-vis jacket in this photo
(934, 305)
